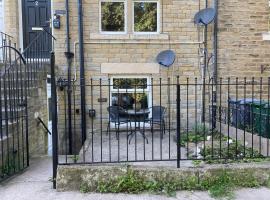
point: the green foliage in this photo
(196, 163)
(84, 188)
(232, 152)
(134, 184)
(198, 134)
(9, 166)
(200, 129)
(145, 17)
(75, 158)
(220, 184)
(113, 16)
(190, 138)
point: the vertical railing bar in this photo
(268, 115)
(144, 115)
(187, 129)
(160, 117)
(252, 114)
(129, 124)
(65, 128)
(152, 120)
(220, 116)
(178, 121)
(118, 123)
(196, 118)
(136, 121)
(245, 114)
(169, 113)
(237, 112)
(9, 107)
(74, 119)
(212, 117)
(54, 120)
(261, 117)
(12, 106)
(92, 121)
(1, 128)
(109, 124)
(100, 109)
(229, 120)
(17, 110)
(203, 116)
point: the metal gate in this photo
(20, 72)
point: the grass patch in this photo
(219, 184)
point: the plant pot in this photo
(137, 106)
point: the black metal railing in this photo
(20, 73)
(154, 120)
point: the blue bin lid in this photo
(234, 101)
(249, 101)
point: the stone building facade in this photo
(243, 45)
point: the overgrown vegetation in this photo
(9, 166)
(230, 153)
(220, 184)
(198, 133)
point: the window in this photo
(146, 17)
(130, 92)
(112, 16)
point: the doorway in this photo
(36, 13)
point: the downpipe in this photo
(69, 57)
(82, 71)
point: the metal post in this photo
(82, 71)
(54, 120)
(178, 124)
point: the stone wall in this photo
(242, 50)
(12, 19)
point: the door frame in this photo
(49, 96)
(22, 22)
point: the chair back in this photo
(158, 113)
(115, 112)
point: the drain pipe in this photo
(215, 72)
(82, 71)
(69, 57)
(215, 44)
(205, 67)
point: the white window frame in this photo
(125, 18)
(131, 91)
(148, 90)
(158, 17)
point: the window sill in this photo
(100, 36)
(266, 36)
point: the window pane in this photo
(128, 100)
(130, 83)
(145, 17)
(113, 16)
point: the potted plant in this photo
(137, 105)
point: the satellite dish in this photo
(205, 16)
(166, 58)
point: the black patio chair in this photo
(118, 116)
(158, 118)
